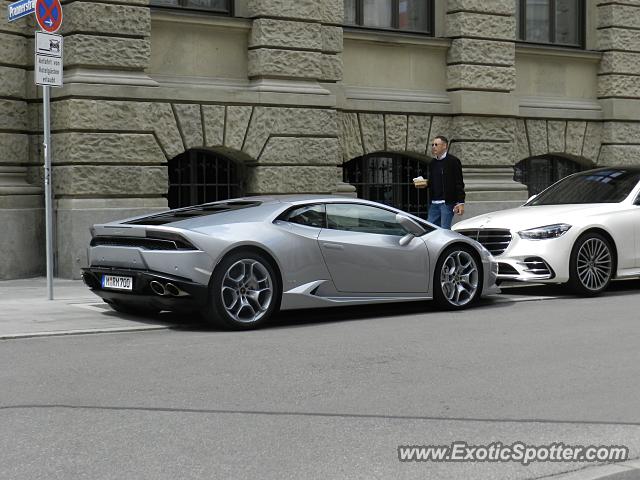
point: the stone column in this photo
(294, 48)
(481, 78)
(619, 81)
(485, 145)
(107, 42)
(293, 45)
(22, 250)
(481, 61)
(21, 212)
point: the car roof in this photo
(301, 198)
(246, 208)
(631, 168)
(296, 198)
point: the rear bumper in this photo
(191, 296)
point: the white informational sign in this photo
(48, 64)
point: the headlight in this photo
(543, 233)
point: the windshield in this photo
(606, 185)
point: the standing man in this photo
(446, 186)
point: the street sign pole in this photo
(48, 207)
(47, 71)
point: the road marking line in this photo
(504, 299)
(87, 331)
(96, 307)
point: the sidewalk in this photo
(25, 311)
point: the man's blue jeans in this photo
(441, 214)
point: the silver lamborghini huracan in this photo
(238, 261)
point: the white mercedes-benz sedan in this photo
(583, 230)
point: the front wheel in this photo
(244, 291)
(457, 280)
(590, 265)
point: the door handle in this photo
(333, 246)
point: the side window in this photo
(557, 22)
(309, 215)
(406, 15)
(222, 7)
(427, 228)
(362, 218)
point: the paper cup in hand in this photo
(420, 183)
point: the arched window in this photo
(200, 176)
(537, 173)
(223, 7)
(388, 178)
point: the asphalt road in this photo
(327, 394)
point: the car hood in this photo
(536, 216)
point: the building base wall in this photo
(22, 249)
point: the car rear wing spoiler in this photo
(111, 230)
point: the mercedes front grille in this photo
(493, 239)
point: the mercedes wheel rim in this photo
(247, 290)
(459, 278)
(593, 264)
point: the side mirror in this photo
(412, 227)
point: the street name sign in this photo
(20, 9)
(49, 15)
(48, 64)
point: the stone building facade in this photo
(283, 88)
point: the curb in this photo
(61, 333)
(612, 471)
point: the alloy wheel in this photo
(593, 264)
(247, 290)
(459, 278)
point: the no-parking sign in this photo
(49, 15)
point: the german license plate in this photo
(117, 282)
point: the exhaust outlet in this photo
(157, 287)
(171, 289)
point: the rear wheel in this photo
(590, 265)
(244, 291)
(457, 280)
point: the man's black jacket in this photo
(453, 184)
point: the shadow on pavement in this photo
(299, 318)
(615, 288)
